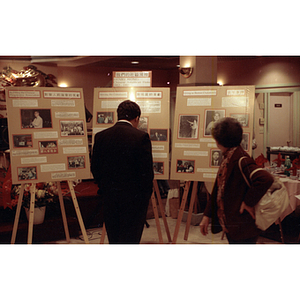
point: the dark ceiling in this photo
(145, 62)
(124, 62)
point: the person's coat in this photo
(240, 226)
(122, 162)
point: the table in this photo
(293, 188)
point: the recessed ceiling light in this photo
(135, 62)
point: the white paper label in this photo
(72, 150)
(53, 167)
(195, 153)
(31, 160)
(63, 175)
(25, 103)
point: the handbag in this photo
(271, 205)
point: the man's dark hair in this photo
(228, 132)
(128, 110)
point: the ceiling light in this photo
(135, 62)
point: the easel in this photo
(192, 205)
(63, 212)
(154, 205)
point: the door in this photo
(280, 121)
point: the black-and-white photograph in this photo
(212, 116)
(48, 147)
(245, 141)
(185, 166)
(69, 128)
(28, 173)
(22, 140)
(159, 134)
(188, 126)
(215, 157)
(242, 118)
(158, 168)
(143, 124)
(105, 117)
(76, 162)
(36, 118)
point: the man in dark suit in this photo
(122, 167)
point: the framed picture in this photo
(212, 116)
(242, 118)
(76, 162)
(36, 118)
(48, 147)
(158, 168)
(159, 134)
(215, 158)
(22, 140)
(71, 128)
(188, 126)
(105, 117)
(143, 124)
(27, 173)
(245, 141)
(185, 166)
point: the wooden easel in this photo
(154, 205)
(63, 212)
(181, 209)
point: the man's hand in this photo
(204, 225)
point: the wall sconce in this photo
(186, 72)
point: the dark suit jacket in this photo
(122, 162)
(240, 226)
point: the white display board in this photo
(155, 108)
(195, 156)
(47, 134)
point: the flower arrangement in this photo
(45, 193)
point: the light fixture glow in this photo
(135, 62)
(63, 84)
(131, 96)
(220, 82)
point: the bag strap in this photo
(240, 166)
(252, 173)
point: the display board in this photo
(47, 134)
(195, 156)
(154, 104)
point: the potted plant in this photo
(45, 193)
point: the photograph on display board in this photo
(242, 118)
(36, 118)
(76, 162)
(188, 126)
(48, 147)
(70, 128)
(215, 158)
(22, 140)
(159, 134)
(105, 117)
(212, 116)
(27, 173)
(185, 166)
(245, 141)
(158, 168)
(143, 124)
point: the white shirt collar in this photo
(126, 121)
